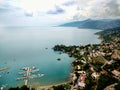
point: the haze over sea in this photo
(26, 46)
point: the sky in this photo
(54, 12)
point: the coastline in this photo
(39, 53)
(89, 64)
(37, 86)
(91, 61)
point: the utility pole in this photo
(27, 74)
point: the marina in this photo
(27, 74)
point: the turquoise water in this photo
(25, 46)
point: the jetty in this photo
(27, 73)
(4, 68)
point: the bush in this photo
(104, 81)
(21, 88)
(117, 87)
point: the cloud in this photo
(113, 8)
(7, 7)
(16, 12)
(2, 10)
(97, 9)
(69, 3)
(39, 5)
(28, 14)
(56, 10)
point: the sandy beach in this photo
(37, 86)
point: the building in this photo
(116, 73)
(81, 81)
(95, 75)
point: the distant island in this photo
(102, 24)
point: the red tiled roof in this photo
(83, 78)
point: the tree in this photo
(21, 88)
(104, 81)
(117, 87)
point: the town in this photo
(97, 66)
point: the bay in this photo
(32, 46)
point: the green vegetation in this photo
(21, 88)
(62, 87)
(117, 87)
(90, 83)
(111, 67)
(109, 35)
(104, 81)
(97, 60)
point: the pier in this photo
(28, 74)
(5, 68)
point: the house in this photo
(81, 72)
(83, 61)
(95, 75)
(78, 67)
(81, 81)
(116, 73)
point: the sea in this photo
(32, 46)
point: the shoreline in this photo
(92, 59)
(40, 87)
(37, 86)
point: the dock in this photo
(28, 71)
(5, 68)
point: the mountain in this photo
(94, 24)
